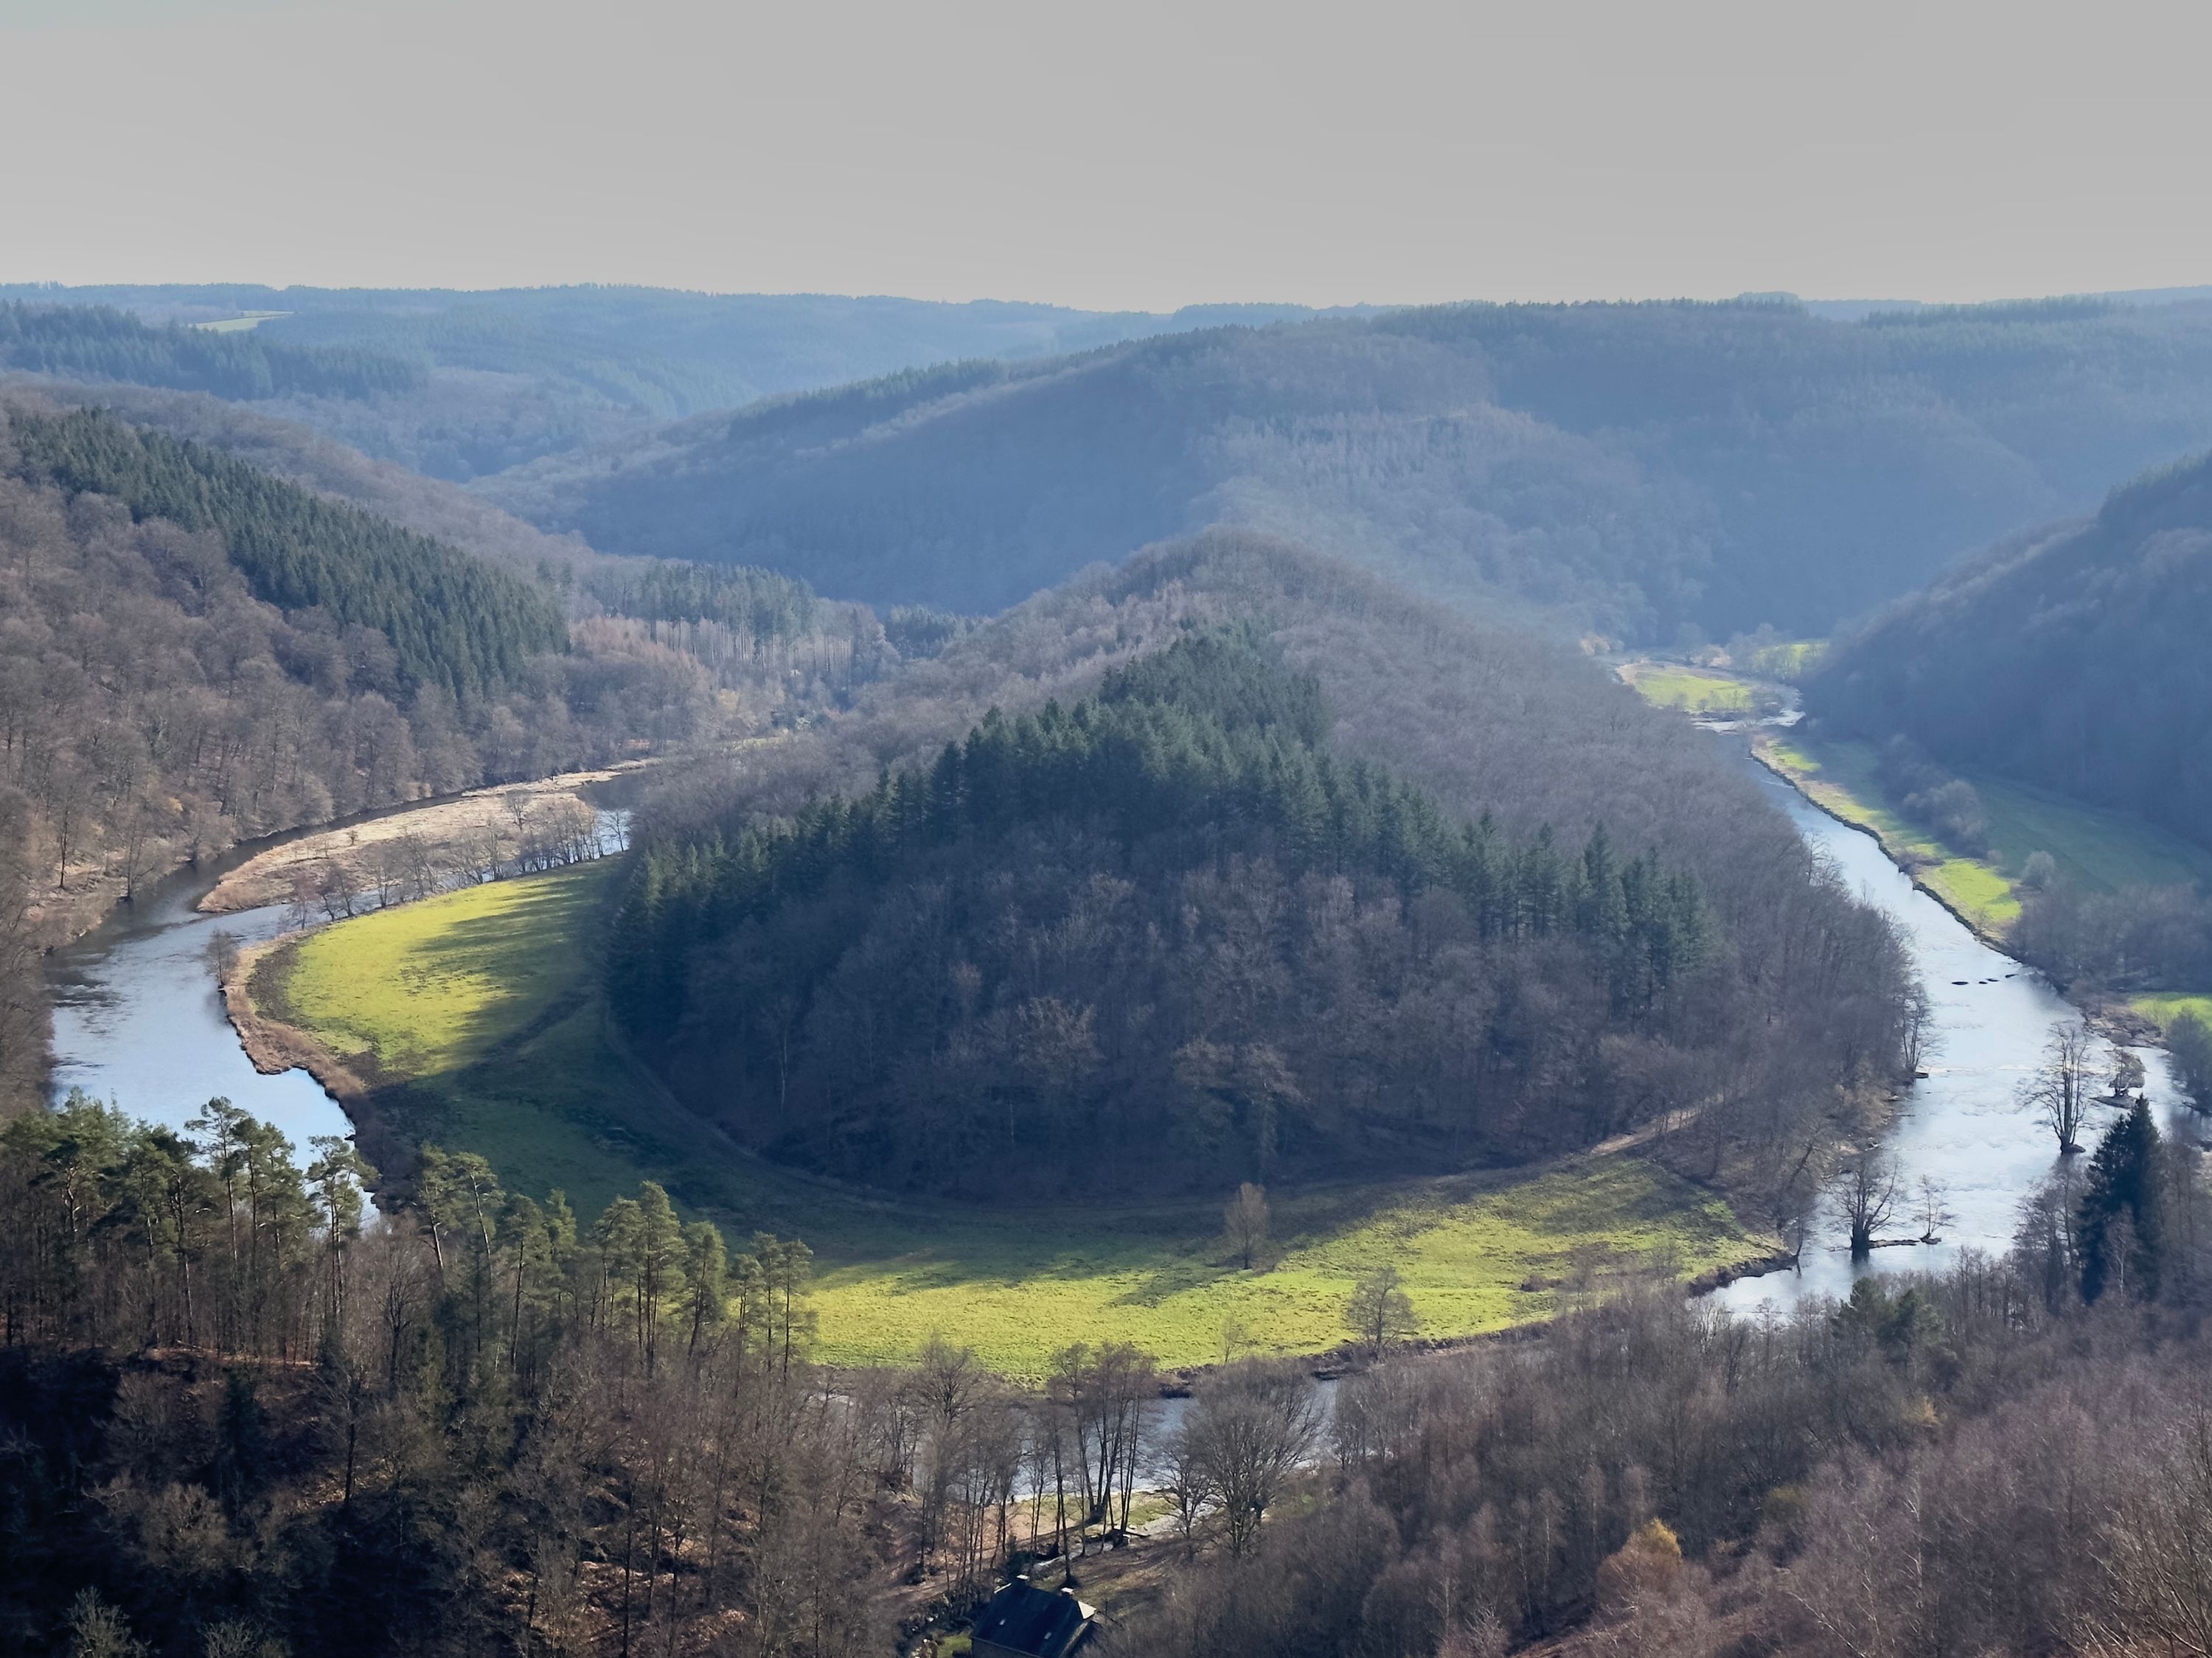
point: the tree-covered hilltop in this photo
(2074, 656)
(1626, 468)
(1801, 991)
(103, 342)
(1165, 929)
(452, 620)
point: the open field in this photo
(245, 322)
(474, 1016)
(1700, 690)
(2163, 1007)
(2095, 849)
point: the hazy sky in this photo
(1133, 154)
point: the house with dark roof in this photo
(1023, 1621)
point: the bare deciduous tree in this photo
(1244, 1225)
(1866, 1190)
(2059, 1092)
(1380, 1311)
(1251, 1427)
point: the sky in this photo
(1141, 155)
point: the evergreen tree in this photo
(2123, 1240)
(454, 621)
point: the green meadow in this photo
(2095, 849)
(1671, 686)
(476, 1016)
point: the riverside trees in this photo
(2061, 1091)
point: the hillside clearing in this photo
(475, 1017)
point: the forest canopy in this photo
(453, 620)
(1166, 930)
(103, 342)
(2073, 656)
(1627, 468)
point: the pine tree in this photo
(2122, 1238)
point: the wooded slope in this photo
(455, 384)
(1165, 943)
(2074, 656)
(1631, 468)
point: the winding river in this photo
(1960, 1125)
(137, 1021)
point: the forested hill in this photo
(763, 607)
(1167, 930)
(496, 378)
(452, 620)
(81, 341)
(1631, 468)
(2074, 656)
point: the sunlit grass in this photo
(2098, 850)
(479, 1012)
(2165, 1006)
(429, 986)
(1671, 685)
(1474, 1259)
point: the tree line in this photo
(2010, 1456)
(245, 1417)
(108, 344)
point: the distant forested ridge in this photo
(452, 620)
(457, 384)
(78, 341)
(1633, 469)
(1167, 929)
(2074, 656)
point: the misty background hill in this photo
(1629, 468)
(455, 384)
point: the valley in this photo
(640, 1098)
(473, 1020)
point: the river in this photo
(138, 1020)
(1962, 1126)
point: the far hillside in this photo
(2070, 659)
(1636, 469)
(456, 384)
(2074, 656)
(447, 619)
(1236, 865)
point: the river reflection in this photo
(1962, 1126)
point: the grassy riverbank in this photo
(475, 1019)
(2095, 849)
(1698, 690)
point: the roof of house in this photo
(1023, 1618)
